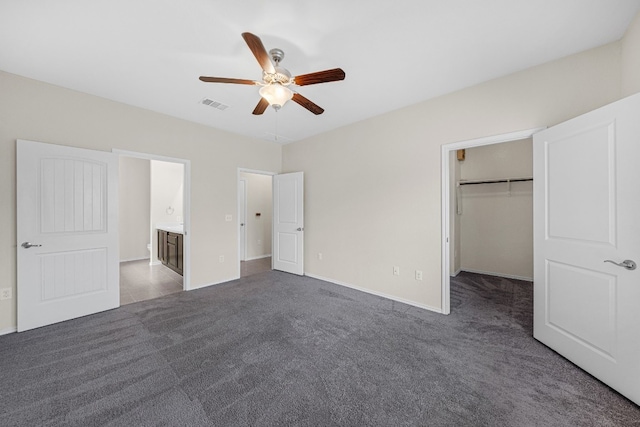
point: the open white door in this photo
(587, 211)
(67, 233)
(288, 223)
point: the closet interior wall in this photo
(495, 220)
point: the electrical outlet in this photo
(418, 275)
(221, 258)
(5, 293)
(396, 270)
(320, 256)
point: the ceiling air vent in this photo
(214, 104)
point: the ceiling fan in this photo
(276, 80)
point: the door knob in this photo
(300, 228)
(627, 263)
(28, 245)
(242, 224)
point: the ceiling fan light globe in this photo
(276, 94)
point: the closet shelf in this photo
(493, 181)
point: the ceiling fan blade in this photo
(320, 77)
(307, 104)
(262, 105)
(227, 80)
(256, 46)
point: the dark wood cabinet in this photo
(170, 250)
(162, 246)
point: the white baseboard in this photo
(491, 273)
(135, 259)
(379, 294)
(6, 331)
(206, 285)
(156, 262)
(258, 257)
(455, 273)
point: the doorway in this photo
(255, 207)
(153, 199)
(452, 207)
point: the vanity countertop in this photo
(172, 227)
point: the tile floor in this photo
(140, 281)
(248, 268)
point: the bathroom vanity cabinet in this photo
(170, 250)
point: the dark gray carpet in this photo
(276, 349)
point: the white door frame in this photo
(242, 229)
(445, 201)
(186, 208)
(257, 172)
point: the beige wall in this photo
(496, 225)
(134, 198)
(258, 228)
(41, 112)
(631, 59)
(372, 189)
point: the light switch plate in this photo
(228, 217)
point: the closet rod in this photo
(493, 181)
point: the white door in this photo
(587, 211)
(67, 233)
(288, 223)
(242, 218)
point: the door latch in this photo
(28, 245)
(627, 263)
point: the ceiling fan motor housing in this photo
(282, 76)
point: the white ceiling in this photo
(150, 53)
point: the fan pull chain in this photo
(276, 125)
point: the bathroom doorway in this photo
(153, 202)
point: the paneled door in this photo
(67, 233)
(587, 240)
(288, 223)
